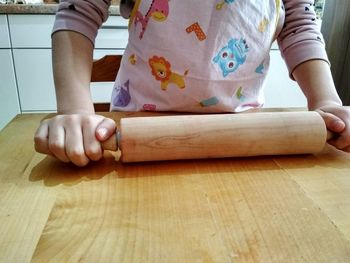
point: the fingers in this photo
(346, 149)
(342, 141)
(56, 142)
(92, 146)
(41, 138)
(105, 129)
(75, 147)
(333, 123)
(338, 121)
(73, 138)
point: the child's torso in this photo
(197, 56)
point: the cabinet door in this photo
(4, 33)
(113, 34)
(280, 90)
(34, 79)
(34, 31)
(9, 106)
(31, 31)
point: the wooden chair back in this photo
(105, 70)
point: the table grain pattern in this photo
(261, 209)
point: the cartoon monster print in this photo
(232, 56)
(122, 98)
(161, 70)
(222, 3)
(159, 11)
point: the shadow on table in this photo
(53, 172)
(216, 167)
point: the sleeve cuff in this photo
(302, 52)
(80, 18)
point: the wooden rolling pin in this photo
(218, 135)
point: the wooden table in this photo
(263, 209)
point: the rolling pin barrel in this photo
(217, 136)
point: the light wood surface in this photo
(217, 136)
(258, 209)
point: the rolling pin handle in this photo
(112, 143)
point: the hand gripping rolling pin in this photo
(218, 136)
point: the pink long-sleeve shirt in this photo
(298, 36)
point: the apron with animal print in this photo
(197, 56)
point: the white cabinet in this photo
(34, 31)
(4, 33)
(31, 43)
(31, 31)
(34, 79)
(113, 34)
(9, 106)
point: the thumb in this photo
(105, 129)
(333, 123)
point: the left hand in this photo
(337, 120)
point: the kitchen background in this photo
(26, 83)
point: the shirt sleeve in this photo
(82, 16)
(300, 39)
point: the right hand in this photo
(74, 138)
